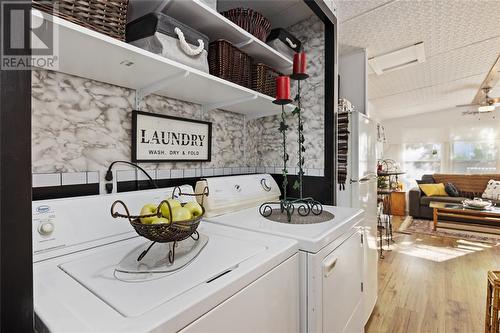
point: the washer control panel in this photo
(43, 219)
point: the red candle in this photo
(282, 88)
(299, 63)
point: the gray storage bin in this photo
(139, 8)
(284, 42)
(163, 35)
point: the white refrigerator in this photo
(361, 192)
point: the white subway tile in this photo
(321, 172)
(207, 172)
(218, 171)
(73, 178)
(261, 169)
(162, 174)
(252, 169)
(92, 177)
(269, 169)
(46, 179)
(177, 173)
(125, 175)
(142, 176)
(189, 173)
(314, 172)
(227, 171)
(236, 170)
(198, 172)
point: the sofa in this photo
(469, 186)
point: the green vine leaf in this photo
(283, 127)
(296, 110)
(296, 185)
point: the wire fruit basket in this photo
(172, 232)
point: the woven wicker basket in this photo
(174, 231)
(250, 20)
(229, 63)
(105, 16)
(264, 79)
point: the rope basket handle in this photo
(289, 41)
(186, 47)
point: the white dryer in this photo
(239, 281)
(331, 252)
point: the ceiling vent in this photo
(398, 59)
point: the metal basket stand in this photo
(172, 233)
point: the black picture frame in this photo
(136, 113)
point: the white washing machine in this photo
(331, 252)
(87, 277)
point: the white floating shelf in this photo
(208, 21)
(89, 54)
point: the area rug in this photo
(421, 226)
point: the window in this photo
(420, 159)
(474, 157)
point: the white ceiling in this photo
(461, 38)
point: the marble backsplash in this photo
(80, 126)
(264, 145)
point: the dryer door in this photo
(342, 272)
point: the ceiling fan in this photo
(482, 102)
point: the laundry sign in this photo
(159, 138)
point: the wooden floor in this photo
(433, 284)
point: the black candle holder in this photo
(303, 206)
(283, 128)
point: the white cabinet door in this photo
(370, 263)
(269, 304)
(341, 279)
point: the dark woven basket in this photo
(162, 233)
(264, 79)
(250, 20)
(105, 16)
(229, 63)
(165, 233)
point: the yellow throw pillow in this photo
(433, 190)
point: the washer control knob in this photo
(265, 184)
(237, 188)
(46, 228)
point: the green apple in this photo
(160, 220)
(194, 208)
(173, 204)
(148, 209)
(181, 214)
